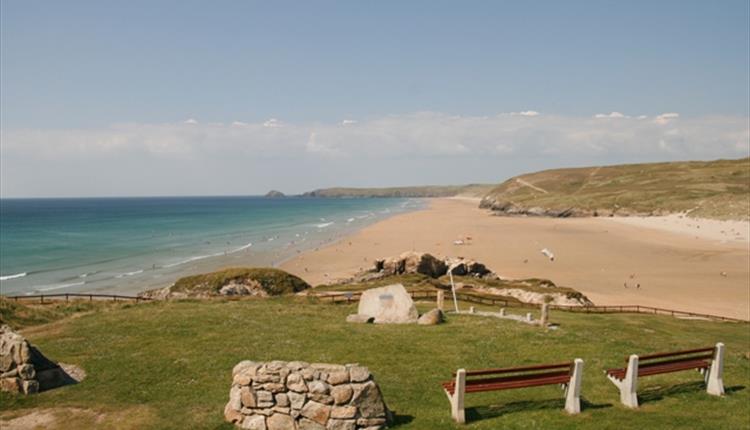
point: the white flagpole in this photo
(453, 286)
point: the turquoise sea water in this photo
(132, 244)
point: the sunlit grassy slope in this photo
(713, 189)
(167, 365)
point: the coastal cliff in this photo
(470, 190)
(714, 189)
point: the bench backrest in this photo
(524, 369)
(686, 355)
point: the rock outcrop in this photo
(273, 194)
(426, 264)
(391, 304)
(281, 395)
(411, 262)
(24, 369)
(463, 267)
(500, 207)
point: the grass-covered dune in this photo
(264, 281)
(471, 190)
(167, 364)
(712, 189)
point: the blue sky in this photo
(82, 72)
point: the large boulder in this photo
(412, 262)
(391, 304)
(23, 368)
(432, 317)
(279, 395)
(462, 267)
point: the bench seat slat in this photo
(550, 380)
(516, 369)
(672, 354)
(662, 367)
(508, 382)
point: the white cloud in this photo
(191, 121)
(525, 113)
(666, 117)
(189, 155)
(610, 115)
(423, 134)
(348, 122)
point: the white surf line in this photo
(14, 276)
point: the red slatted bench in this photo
(708, 361)
(475, 381)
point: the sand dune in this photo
(632, 261)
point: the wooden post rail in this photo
(343, 297)
(68, 296)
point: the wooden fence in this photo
(67, 296)
(352, 297)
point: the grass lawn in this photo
(167, 365)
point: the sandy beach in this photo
(672, 262)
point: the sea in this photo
(127, 245)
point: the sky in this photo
(112, 98)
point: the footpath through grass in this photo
(167, 365)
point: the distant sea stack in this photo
(273, 194)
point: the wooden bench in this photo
(566, 374)
(709, 361)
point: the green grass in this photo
(167, 365)
(713, 189)
(20, 314)
(273, 281)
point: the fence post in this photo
(41, 298)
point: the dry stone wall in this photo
(23, 369)
(296, 395)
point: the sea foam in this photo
(14, 276)
(58, 286)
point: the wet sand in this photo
(649, 262)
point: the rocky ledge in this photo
(506, 208)
(281, 395)
(425, 264)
